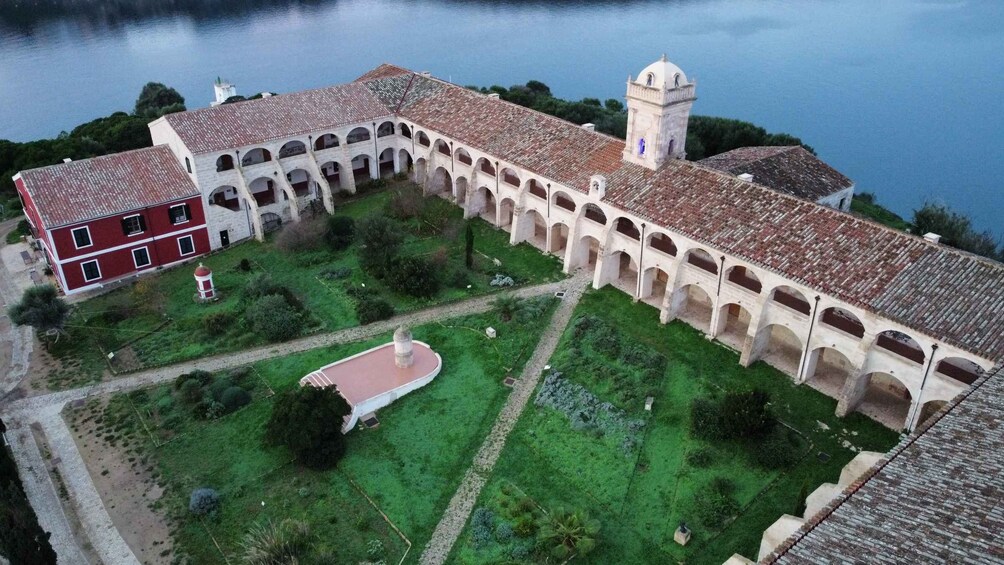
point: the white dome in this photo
(662, 74)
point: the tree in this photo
(415, 276)
(341, 232)
(41, 308)
(955, 229)
(156, 99)
(308, 421)
(382, 239)
(469, 246)
(569, 533)
(803, 494)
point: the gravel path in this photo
(17, 339)
(452, 523)
(45, 409)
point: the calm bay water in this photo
(902, 96)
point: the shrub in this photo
(306, 421)
(306, 235)
(381, 237)
(260, 285)
(373, 309)
(287, 542)
(458, 278)
(406, 204)
(525, 527)
(704, 420)
(482, 526)
(217, 387)
(778, 450)
(503, 532)
(700, 458)
(214, 409)
(273, 318)
(190, 391)
(531, 309)
(501, 281)
(244, 265)
(415, 276)
(746, 414)
(218, 323)
(713, 507)
(341, 232)
(336, 274)
(203, 501)
(374, 549)
(234, 398)
(202, 377)
(605, 340)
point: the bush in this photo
(525, 527)
(306, 235)
(218, 323)
(373, 309)
(736, 415)
(605, 340)
(458, 278)
(244, 265)
(336, 274)
(415, 276)
(273, 318)
(234, 398)
(190, 391)
(260, 285)
(341, 232)
(501, 281)
(381, 238)
(714, 506)
(307, 421)
(204, 501)
(218, 386)
(482, 527)
(700, 458)
(406, 204)
(779, 450)
(203, 378)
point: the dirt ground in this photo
(125, 483)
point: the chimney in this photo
(746, 177)
(590, 127)
(426, 74)
(66, 159)
(932, 237)
(493, 95)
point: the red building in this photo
(99, 220)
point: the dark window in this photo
(141, 257)
(188, 165)
(180, 214)
(81, 237)
(91, 271)
(133, 225)
(186, 245)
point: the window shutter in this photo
(125, 226)
(188, 212)
(142, 223)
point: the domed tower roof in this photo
(402, 333)
(662, 74)
(202, 271)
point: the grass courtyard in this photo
(641, 474)
(155, 321)
(409, 466)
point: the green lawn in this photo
(641, 493)
(409, 466)
(159, 320)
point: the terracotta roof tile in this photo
(790, 169)
(77, 191)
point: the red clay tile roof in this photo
(240, 124)
(936, 498)
(77, 191)
(790, 169)
(888, 272)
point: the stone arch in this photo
(332, 172)
(404, 158)
(255, 156)
(442, 147)
(326, 141)
(423, 139)
(886, 400)
(694, 306)
(535, 228)
(702, 260)
(585, 253)
(358, 135)
(441, 183)
(791, 298)
(482, 203)
(654, 286)
(662, 242)
(901, 345)
(558, 240)
(627, 228)
(463, 156)
(485, 166)
(270, 221)
(828, 369)
(421, 171)
(733, 325)
(386, 163)
(264, 191)
(292, 148)
(302, 183)
(505, 215)
(225, 196)
(404, 130)
(743, 277)
(843, 320)
(593, 213)
(460, 193)
(385, 129)
(534, 187)
(959, 369)
(361, 168)
(224, 163)
(561, 199)
(626, 276)
(509, 176)
(782, 348)
(929, 410)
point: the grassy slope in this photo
(410, 466)
(879, 213)
(640, 506)
(185, 338)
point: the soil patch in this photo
(125, 481)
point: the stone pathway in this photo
(14, 341)
(45, 410)
(462, 504)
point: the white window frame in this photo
(84, 271)
(170, 215)
(182, 251)
(140, 225)
(73, 235)
(149, 260)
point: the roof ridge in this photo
(117, 154)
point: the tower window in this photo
(650, 79)
(641, 146)
(676, 81)
(672, 142)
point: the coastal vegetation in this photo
(22, 540)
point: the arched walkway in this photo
(901, 345)
(361, 168)
(886, 400)
(693, 306)
(463, 156)
(264, 191)
(959, 369)
(441, 183)
(929, 409)
(563, 201)
(461, 191)
(301, 182)
(421, 172)
(744, 278)
(559, 239)
(701, 260)
(332, 172)
(270, 221)
(326, 141)
(224, 163)
(291, 149)
(404, 158)
(535, 229)
(387, 161)
(662, 243)
(791, 299)
(733, 325)
(828, 370)
(585, 253)
(385, 129)
(423, 139)
(842, 320)
(506, 207)
(358, 135)
(654, 285)
(627, 273)
(783, 349)
(225, 196)
(255, 156)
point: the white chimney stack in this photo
(932, 237)
(590, 127)
(746, 177)
(493, 95)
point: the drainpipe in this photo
(153, 235)
(927, 371)
(808, 339)
(451, 160)
(721, 273)
(496, 177)
(641, 259)
(549, 201)
(376, 149)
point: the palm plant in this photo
(569, 533)
(285, 543)
(506, 306)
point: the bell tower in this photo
(658, 103)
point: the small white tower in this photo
(223, 90)
(204, 283)
(658, 103)
(403, 356)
